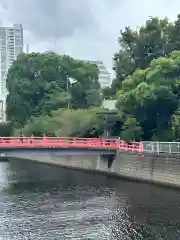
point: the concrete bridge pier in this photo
(104, 162)
(87, 159)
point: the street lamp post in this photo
(69, 81)
(67, 89)
(65, 75)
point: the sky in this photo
(84, 29)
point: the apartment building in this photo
(104, 76)
(11, 45)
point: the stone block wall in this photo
(157, 168)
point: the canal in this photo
(43, 202)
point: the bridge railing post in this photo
(141, 147)
(45, 140)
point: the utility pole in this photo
(66, 78)
(67, 89)
(69, 82)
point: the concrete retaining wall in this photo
(88, 162)
(92, 161)
(156, 168)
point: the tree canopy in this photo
(39, 83)
(67, 122)
(157, 38)
(146, 86)
(152, 97)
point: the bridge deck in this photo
(69, 143)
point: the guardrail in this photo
(106, 143)
(70, 142)
(161, 147)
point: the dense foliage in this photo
(152, 97)
(6, 129)
(147, 83)
(146, 86)
(68, 122)
(157, 38)
(39, 83)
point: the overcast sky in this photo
(84, 29)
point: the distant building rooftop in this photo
(104, 76)
(109, 104)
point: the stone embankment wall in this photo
(92, 161)
(156, 168)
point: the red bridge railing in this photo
(103, 143)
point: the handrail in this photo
(161, 147)
(105, 143)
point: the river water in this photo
(42, 202)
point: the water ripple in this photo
(40, 202)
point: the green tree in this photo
(66, 122)
(6, 129)
(41, 82)
(157, 38)
(151, 96)
(176, 126)
(131, 130)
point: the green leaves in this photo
(147, 83)
(131, 130)
(147, 88)
(157, 38)
(39, 83)
(151, 96)
(64, 122)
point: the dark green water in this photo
(41, 202)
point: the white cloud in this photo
(85, 29)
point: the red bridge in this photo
(69, 142)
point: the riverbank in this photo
(154, 168)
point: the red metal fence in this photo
(103, 143)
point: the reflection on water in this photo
(42, 202)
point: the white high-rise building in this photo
(104, 76)
(11, 45)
